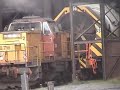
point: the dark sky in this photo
(45, 8)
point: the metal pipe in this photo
(72, 41)
(102, 14)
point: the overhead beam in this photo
(72, 41)
(85, 1)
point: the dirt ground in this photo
(89, 85)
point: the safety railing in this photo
(12, 53)
(33, 55)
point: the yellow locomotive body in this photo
(25, 45)
(17, 47)
(36, 46)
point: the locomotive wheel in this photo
(85, 74)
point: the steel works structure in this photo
(111, 44)
(110, 39)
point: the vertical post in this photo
(50, 85)
(24, 81)
(1, 20)
(72, 42)
(119, 20)
(102, 14)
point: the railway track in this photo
(4, 86)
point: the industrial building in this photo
(59, 41)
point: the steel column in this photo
(1, 20)
(72, 42)
(102, 14)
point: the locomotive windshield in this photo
(24, 26)
(45, 27)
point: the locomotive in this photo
(38, 46)
(35, 45)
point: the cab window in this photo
(25, 26)
(46, 29)
(35, 26)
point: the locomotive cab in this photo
(35, 45)
(45, 25)
(26, 39)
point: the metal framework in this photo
(75, 39)
(110, 41)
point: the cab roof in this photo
(33, 19)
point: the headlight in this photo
(9, 36)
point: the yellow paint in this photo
(83, 8)
(17, 49)
(64, 11)
(95, 51)
(99, 34)
(99, 45)
(80, 61)
(81, 67)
